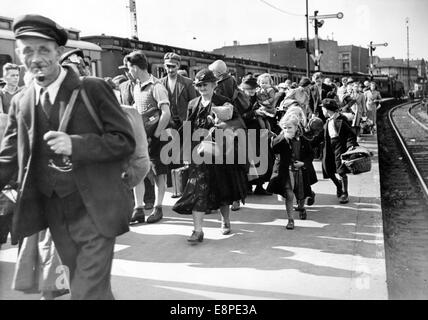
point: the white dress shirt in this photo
(52, 89)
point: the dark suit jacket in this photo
(185, 93)
(315, 100)
(96, 158)
(126, 93)
(226, 87)
(347, 139)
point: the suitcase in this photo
(179, 180)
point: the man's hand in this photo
(59, 142)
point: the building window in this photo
(346, 67)
(345, 56)
(6, 25)
(73, 35)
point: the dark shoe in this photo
(155, 216)
(302, 214)
(196, 237)
(344, 198)
(236, 206)
(225, 228)
(261, 192)
(311, 199)
(138, 216)
(148, 206)
(339, 193)
(290, 224)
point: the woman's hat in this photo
(249, 82)
(204, 76)
(330, 104)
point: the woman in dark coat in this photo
(210, 186)
(249, 86)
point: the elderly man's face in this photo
(41, 58)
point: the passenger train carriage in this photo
(105, 54)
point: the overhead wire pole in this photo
(133, 12)
(408, 55)
(308, 52)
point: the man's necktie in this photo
(46, 103)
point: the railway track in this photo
(403, 161)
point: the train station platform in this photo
(337, 253)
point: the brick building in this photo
(285, 53)
(397, 68)
(353, 59)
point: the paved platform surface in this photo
(337, 253)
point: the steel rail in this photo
(404, 147)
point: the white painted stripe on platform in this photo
(214, 295)
(286, 281)
(11, 255)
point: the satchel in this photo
(151, 118)
(136, 166)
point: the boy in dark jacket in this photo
(338, 138)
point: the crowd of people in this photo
(65, 139)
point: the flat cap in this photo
(330, 104)
(31, 25)
(172, 57)
(204, 76)
(68, 55)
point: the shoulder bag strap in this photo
(91, 109)
(65, 118)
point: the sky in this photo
(210, 24)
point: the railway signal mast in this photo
(372, 47)
(133, 11)
(318, 24)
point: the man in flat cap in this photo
(69, 173)
(180, 89)
(180, 92)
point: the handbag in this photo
(208, 147)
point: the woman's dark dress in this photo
(210, 185)
(250, 119)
